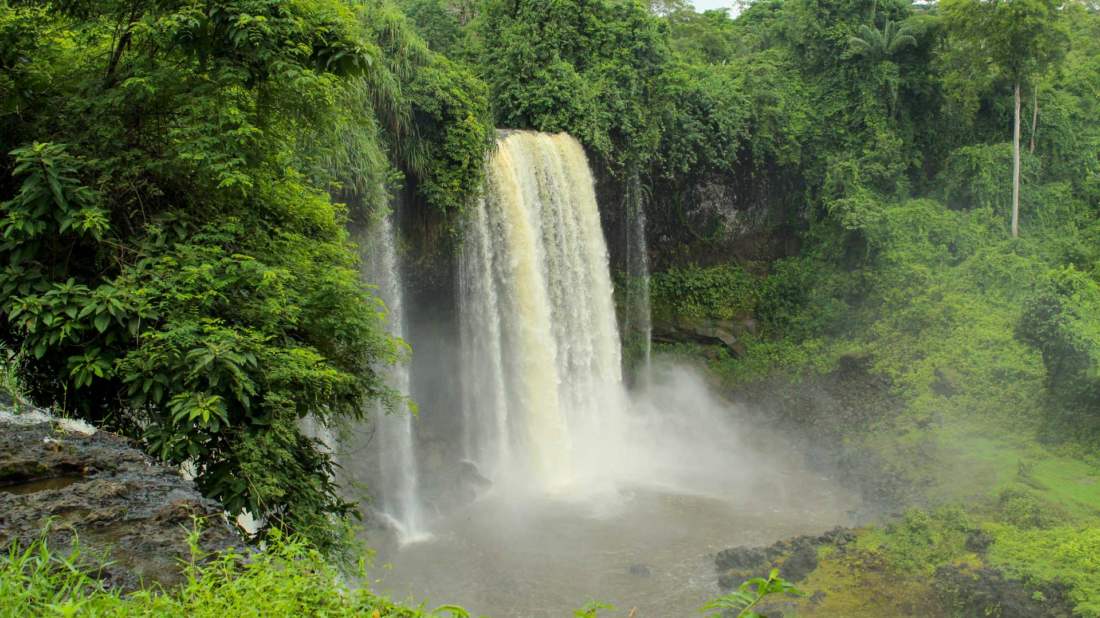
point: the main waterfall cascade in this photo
(393, 471)
(539, 339)
(538, 334)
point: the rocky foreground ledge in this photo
(131, 515)
(880, 589)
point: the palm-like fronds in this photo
(880, 44)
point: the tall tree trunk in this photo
(1016, 168)
(1034, 118)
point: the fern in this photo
(748, 595)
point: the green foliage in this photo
(922, 540)
(589, 68)
(1060, 321)
(450, 108)
(433, 112)
(591, 610)
(1017, 37)
(441, 22)
(1024, 509)
(172, 263)
(287, 578)
(973, 176)
(749, 594)
(1063, 554)
(881, 44)
(722, 292)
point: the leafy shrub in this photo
(719, 292)
(1025, 510)
(1060, 322)
(451, 112)
(974, 176)
(1064, 554)
(174, 267)
(921, 540)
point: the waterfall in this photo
(639, 323)
(396, 477)
(541, 359)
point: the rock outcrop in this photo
(130, 515)
(706, 331)
(796, 558)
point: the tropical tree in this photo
(1018, 39)
(880, 44)
(879, 48)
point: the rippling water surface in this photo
(640, 548)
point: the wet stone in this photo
(131, 515)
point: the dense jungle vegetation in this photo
(909, 224)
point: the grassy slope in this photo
(933, 314)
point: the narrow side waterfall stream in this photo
(585, 490)
(638, 316)
(392, 471)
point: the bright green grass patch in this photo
(974, 464)
(978, 460)
(1072, 483)
(1069, 554)
(287, 579)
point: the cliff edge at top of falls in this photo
(130, 515)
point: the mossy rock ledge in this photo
(131, 516)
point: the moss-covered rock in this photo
(131, 515)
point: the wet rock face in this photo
(706, 331)
(988, 592)
(127, 511)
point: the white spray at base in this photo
(544, 405)
(397, 477)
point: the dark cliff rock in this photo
(707, 331)
(988, 592)
(796, 558)
(130, 515)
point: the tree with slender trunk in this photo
(1034, 118)
(1016, 165)
(1018, 39)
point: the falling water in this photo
(396, 476)
(639, 324)
(588, 480)
(541, 357)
